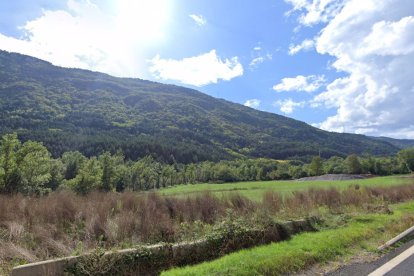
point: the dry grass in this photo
(63, 223)
(300, 202)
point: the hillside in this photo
(399, 143)
(72, 109)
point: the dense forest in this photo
(93, 113)
(28, 168)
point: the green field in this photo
(254, 190)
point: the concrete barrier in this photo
(408, 232)
(150, 260)
(45, 268)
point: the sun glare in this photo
(143, 19)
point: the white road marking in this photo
(393, 263)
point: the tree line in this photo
(29, 168)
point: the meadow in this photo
(254, 190)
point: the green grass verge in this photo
(254, 190)
(306, 249)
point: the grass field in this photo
(254, 190)
(360, 232)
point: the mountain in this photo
(399, 143)
(73, 109)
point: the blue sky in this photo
(341, 65)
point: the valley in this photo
(91, 163)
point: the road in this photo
(401, 265)
(398, 262)
(405, 268)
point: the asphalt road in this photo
(404, 268)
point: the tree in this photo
(88, 178)
(56, 174)
(316, 166)
(73, 161)
(297, 172)
(33, 160)
(123, 177)
(334, 165)
(352, 164)
(190, 173)
(406, 157)
(223, 172)
(283, 171)
(8, 163)
(369, 164)
(168, 173)
(108, 171)
(145, 174)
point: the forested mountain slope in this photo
(399, 143)
(72, 109)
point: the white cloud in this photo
(306, 45)
(300, 83)
(258, 58)
(256, 61)
(288, 106)
(373, 43)
(315, 11)
(198, 71)
(88, 35)
(198, 19)
(397, 40)
(253, 103)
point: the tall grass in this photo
(335, 199)
(63, 223)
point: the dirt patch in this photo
(332, 177)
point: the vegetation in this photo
(63, 223)
(406, 157)
(357, 232)
(25, 168)
(255, 190)
(316, 166)
(78, 110)
(28, 168)
(73, 138)
(230, 235)
(400, 143)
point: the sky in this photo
(340, 65)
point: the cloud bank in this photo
(306, 45)
(87, 35)
(372, 42)
(300, 84)
(253, 103)
(288, 106)
(200, 70)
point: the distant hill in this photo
(73, 109)
(399, 143)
